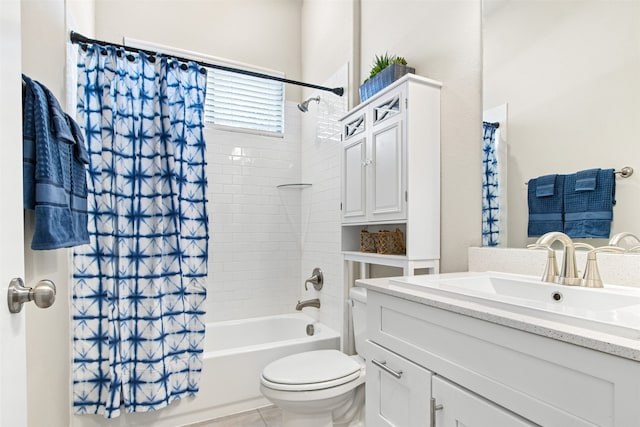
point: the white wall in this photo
(569, 71)
(265, 33)
(330, 36)
(328, 56)
(320, 207)
(442, 40)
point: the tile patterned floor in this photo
(263, 417)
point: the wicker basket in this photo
(367, 241)
(390, 242)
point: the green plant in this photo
(383, 61)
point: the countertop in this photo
(619, 346)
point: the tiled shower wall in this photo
(254, 244)
(320, 207)
(264, 240)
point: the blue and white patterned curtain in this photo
(139, 286)
(490, 199)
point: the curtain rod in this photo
(79, 38)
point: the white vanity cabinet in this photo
(391, 172)
(454, 406)
(397, 390)
(479, 373)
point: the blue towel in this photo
(54, 158)
(586, 180)
(545, 185)
(589, 212)
(545, 204)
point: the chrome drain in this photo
(310, 329)
(557, 296)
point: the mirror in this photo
(565, 76)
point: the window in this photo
(234, 100)
(242, 101)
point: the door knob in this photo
(43, 294)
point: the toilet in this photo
(321, 388)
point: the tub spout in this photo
(308, 303)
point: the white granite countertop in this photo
(621, 346)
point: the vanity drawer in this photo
(544, 380)
(397, 390)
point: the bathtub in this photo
(235, 352)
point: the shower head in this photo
(304, 106)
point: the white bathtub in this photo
(235, 352)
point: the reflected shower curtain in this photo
(490, 199)
(139, 286)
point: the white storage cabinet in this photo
(391, 173)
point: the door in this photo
(354, 180)
(13, 387)
(386, 173)
(455, 406)
(397, 390)
(387, 196)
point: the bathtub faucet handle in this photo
(316, 280)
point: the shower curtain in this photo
(138, 286)
(490, 193)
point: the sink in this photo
(612, 309)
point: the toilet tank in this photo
(359, 316)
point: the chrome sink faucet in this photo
(619, 237)
(569, 272)
(592, 277)
(315, 302)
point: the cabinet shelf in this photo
(294, 186)
(401, 261)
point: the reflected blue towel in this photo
(54, 159)
(586, 180)
(589, 212)
(545, 185)
(545, 199)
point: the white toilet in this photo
(321, 388)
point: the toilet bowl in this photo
(321, 388)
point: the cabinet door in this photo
(353, 180)
(386, 173)
(455, 406)
(397, 390)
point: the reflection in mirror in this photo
(569, 72)
(494, 172)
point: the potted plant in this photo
(385, 70)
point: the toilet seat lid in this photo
(312, 367)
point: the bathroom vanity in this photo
(496, 349)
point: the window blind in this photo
(241, 101)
